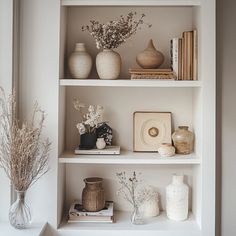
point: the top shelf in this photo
(130, 3)
(129, 83)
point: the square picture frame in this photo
(150, 130)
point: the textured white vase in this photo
(80, 62)
(100, 144)
(150, 208)
(108, 64)
(177, 199)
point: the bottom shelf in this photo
(35, 229)
(160, 225)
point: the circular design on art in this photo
(152, 132)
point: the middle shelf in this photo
(129, 157)
(131, 83)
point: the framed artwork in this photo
(151, 129)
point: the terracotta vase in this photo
(150, 58)
(108, 64)
(80, 62)
(183, 140)
(93, 195)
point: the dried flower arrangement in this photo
(91, 119)
(132, 191)
(23, 155)
(114, 33)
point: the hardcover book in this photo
(78, 214)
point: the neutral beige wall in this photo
(227, 85)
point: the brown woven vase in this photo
(93, 195)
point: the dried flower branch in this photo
(114, 33)
(131, 190)
(90, 120)
(23, 155)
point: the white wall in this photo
(226, 73)
(6, 50)
(39, 72)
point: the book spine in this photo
(184, 56)
(180, 59)
(174, 56)
(187, 55)
(195, 55)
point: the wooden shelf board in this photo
(129, 83)
(129, 157)
(160, 225)
(131, 3)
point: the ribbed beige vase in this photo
(108, 63)
(80, 62)
(150, 58)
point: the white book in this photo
(175, 56)
(109, 150)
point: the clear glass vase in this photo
(136, 217)
(19, 214)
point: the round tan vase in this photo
(183, 140)
(93, 195)
(166, 150)
(108, 64)
(150, 58)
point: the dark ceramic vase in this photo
(88, 141)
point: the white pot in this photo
(100, 144)
(108, 63)
(166, 150)
(80, 62)
(177, 199)
(150, 208)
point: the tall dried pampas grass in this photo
(23, 154)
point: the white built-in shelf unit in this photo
(191, 103)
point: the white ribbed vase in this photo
(177, 199)
(80, 62)
(108, 64)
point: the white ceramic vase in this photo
(150, 208)
(100, 144)
(166, 150)
(108, 64)
(80, 62)
(177, 199)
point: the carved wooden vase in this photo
(93, 195)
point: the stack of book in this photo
(165, 74)
(184, 56)
(78, 214)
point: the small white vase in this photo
(80, 62)
(100, 144)
(108, 64)
(150, 208)
(166, 150)
(177, 199)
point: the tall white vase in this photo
(177, 199)
(80, 62)
(108, 63)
